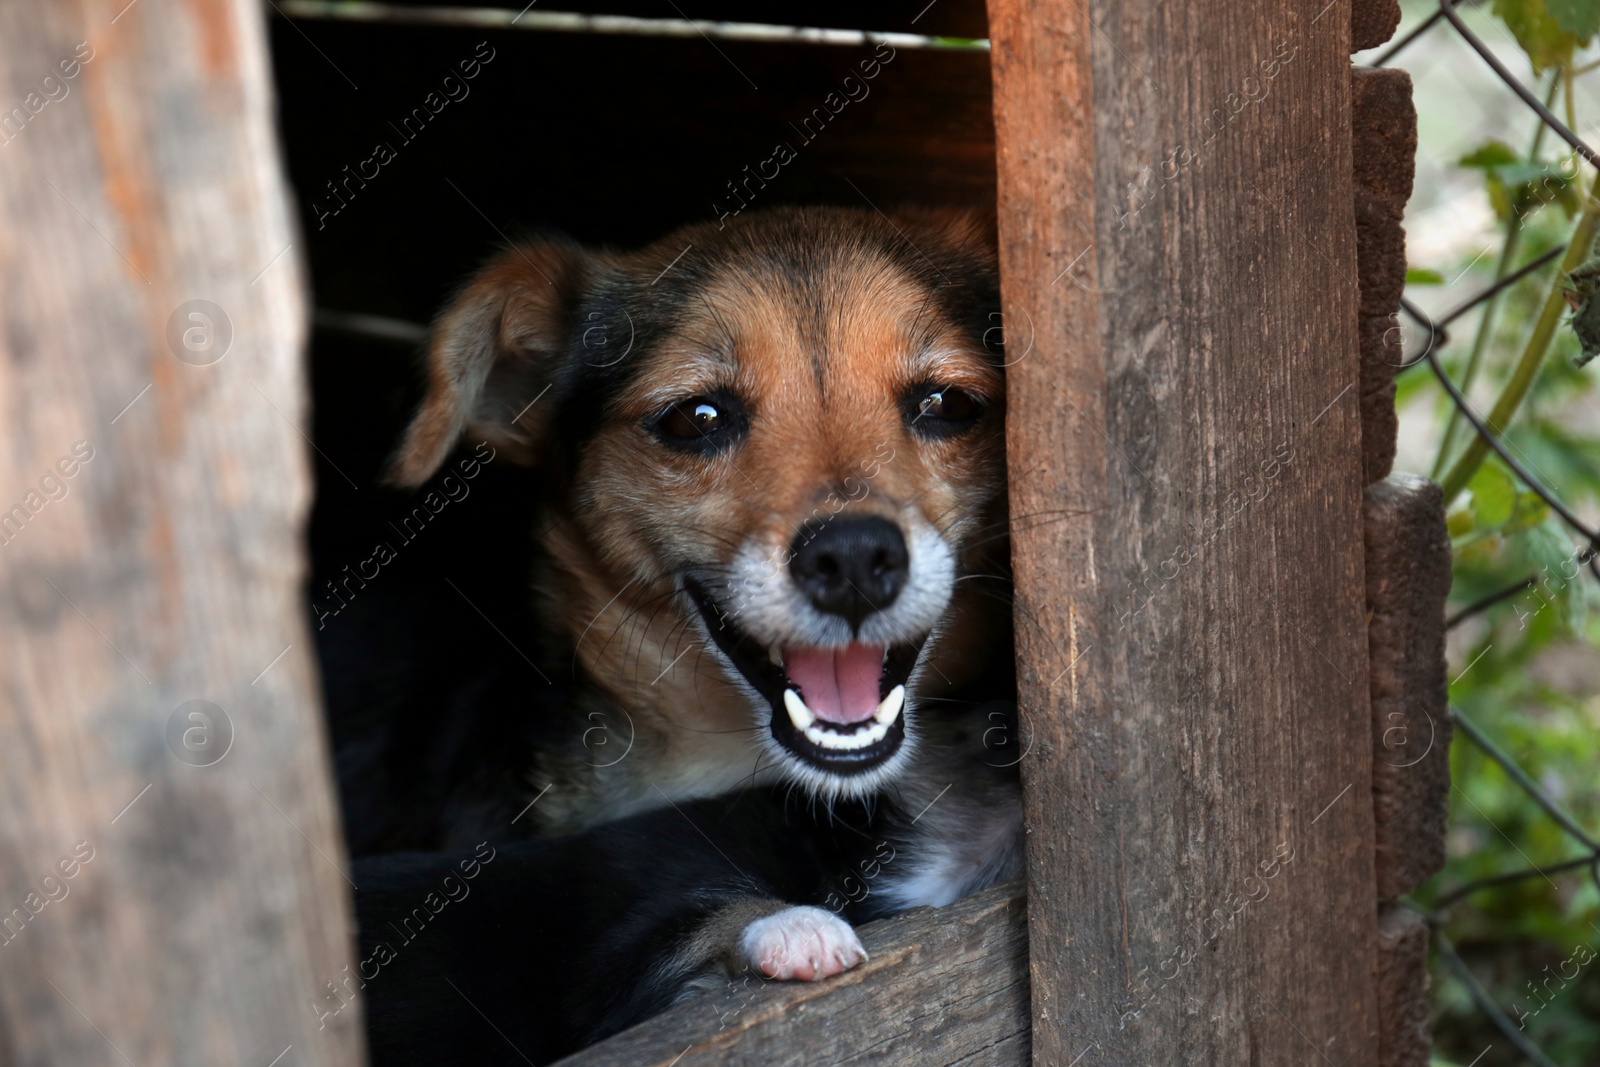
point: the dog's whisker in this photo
(637, 657)
(992, 577)
(755, 729)
(632, 613)
(579, 643)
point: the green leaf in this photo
(1477, 551)
(1576, 615)
(1560, 583)
(1491, 153)
(1494, 496)
(1530, 511)
(1581, 18)
(1423, 276)
(1547, 43)
(1583, 296)
(1499, 196)
(1490, 157)
(1520, 186)
(1569, 196)
(1527, 172)
(1586, 324)
(1534, 183)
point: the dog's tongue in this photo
(838, 684)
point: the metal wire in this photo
(1411, 35)
(1567, 515)
(1486, 1003)
(510, 18)
(1548, 117)
(1438, 335)
(1588, 555)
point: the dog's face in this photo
(780, 442)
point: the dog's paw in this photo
(802, 942)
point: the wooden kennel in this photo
(1197, 276)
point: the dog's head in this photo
(779, 441)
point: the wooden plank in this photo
(943, 986)
(1408, 579)
(1372, 22)
(1404, 1007)
(169, 869)
(1179, 279)
(1383, 141)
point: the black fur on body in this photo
(564, 941)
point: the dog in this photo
(527, 951)
(771, 579)
(773, 478)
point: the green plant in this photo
(1528, 677)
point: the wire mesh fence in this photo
(1562, 268)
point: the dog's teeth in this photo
(889, 710)
(799, 714)
(847, 742)
(865, 735)
(776, 655)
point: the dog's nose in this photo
(851, 567)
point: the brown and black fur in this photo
(822, 318)
(671, 820)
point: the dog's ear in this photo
(494, 351)
(964, 229)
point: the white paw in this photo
(802, 942)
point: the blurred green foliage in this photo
(1549, 31)
(1528, 669)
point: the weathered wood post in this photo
(1179, 273)
(1408, 574)
(172, 885)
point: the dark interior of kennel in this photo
(610, 139)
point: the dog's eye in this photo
(688, 420)
(700, 423)
(942, 410)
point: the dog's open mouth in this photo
(840, 709)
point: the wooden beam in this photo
(942, 986)
(1179, 278)
(1372, 22)
(1403, 983)
(1408, 579)
(1383, 140)
(170, 865)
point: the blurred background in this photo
(1517, 907)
